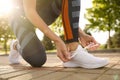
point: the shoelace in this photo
(73, 53)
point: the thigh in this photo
(49, 10)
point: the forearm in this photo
(41, 25)
(36, 20)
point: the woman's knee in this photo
(34, 52)
(36, 60)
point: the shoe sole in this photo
(93, 66)
(88, 66)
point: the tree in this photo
(5, 32)
(48, 43)
(57, 26)
(104, 15)
(115, 40)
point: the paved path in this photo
(53, 70)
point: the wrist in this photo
(57, 40)
(81, 33)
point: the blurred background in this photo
(99, 18)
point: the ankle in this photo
(72, 46)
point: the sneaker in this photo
(14, 56)
(81, 58)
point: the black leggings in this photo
(31, 49)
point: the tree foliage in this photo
(5, 32)
(57, 26)
(115, 40)
(104, 15)
(48, 43)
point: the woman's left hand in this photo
(87, 40)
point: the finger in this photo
(93, 40)
(84, 43)
(67, 55)
(94, 47)
(97, 44)
(60, 55)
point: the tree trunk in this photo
(5, 46)
(109, 40)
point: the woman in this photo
(41, 13)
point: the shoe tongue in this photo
(73, 53)
(79, 48)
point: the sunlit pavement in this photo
(53, 70)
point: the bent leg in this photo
(31, 48)
(70, 17)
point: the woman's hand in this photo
(62, 51)
(87, 40)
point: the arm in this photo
(33, 16)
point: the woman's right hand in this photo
(62, 51)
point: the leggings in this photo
(31, 48)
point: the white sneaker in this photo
(14, 56)
(81, 58)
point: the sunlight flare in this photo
(6, 7)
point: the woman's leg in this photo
(80, 57)
(49, 10)
(31, 48)
(70, 16)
